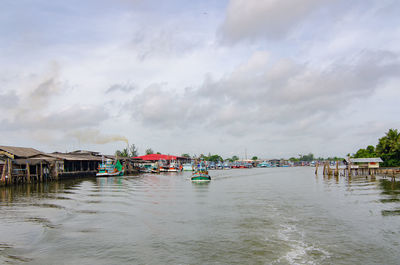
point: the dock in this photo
(20, 165)
(358, 167)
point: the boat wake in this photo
(299, 250)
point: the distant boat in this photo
(148, 168)
(201, 173)
(227, 166)
(187, 167)
(173, 167)
(264, 164)
(109, 169)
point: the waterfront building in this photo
(364, 162)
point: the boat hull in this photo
(201, 179)
(106, 174)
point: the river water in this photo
(243, 216)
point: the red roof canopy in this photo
(156, 157)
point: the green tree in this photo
(254, 158)
(149, 151)
(309, 157)
(234, 158)
(214, 158)
(123, 153)
(366, 153)
(388, 148)
(185, 155)
(129, 151)
(133, 151)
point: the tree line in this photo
(132, 151)
(388, 149)
(310, 157)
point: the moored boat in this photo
(264, 164)
(187, 167)
(174, 167)
(110, 169)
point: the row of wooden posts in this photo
(43, 171)
(7, 176)
(327, 169)
(349, 171)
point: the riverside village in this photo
(21, 165)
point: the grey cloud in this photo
(57, 121)
(265, 18)
(121, 87)
(8, 100)
(160, 107)
(279, 94)
(33, 110)
(166, 40)
(73, 117)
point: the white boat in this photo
(187, 167)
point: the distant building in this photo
(158, 157)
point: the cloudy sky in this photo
(275, 78)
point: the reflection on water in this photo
(389, 190)
(391, 196)
(249, 216)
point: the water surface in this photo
(243, 216)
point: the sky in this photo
(266, 78)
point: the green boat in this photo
(201, 174)
(201, 177)
(110, 169)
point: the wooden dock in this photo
(351, 170)
(20, 165)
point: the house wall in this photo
(373, 165)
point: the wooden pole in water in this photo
(316, 168)
(41, 172)
(28, 173)
(327, 168)
(56, 169)
(3, 174)
(349, 168)
(9, 170)
(337, 169)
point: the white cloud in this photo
(302, 76)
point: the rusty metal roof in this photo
(366, 160)
(20, 151)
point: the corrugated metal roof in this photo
(21, 151)
(72, 157)
(366, 160)
(156, 157)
